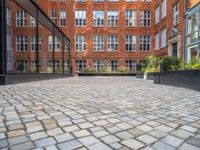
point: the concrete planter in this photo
(146, 76)
(189, 79)
(106, 74)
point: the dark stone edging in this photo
(106, 74)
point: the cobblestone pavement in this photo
(98, 113)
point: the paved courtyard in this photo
(98, 113)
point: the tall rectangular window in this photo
(80, 17)
(21, 43)
(66, 66)
(22, 65)
(113, 65)
(98, 0)
(34, 65)
(80, 65)
(131, 65)
(145, 18)
(113, 18)
(33, 43)
(145, 42)
(54, 16)
(157, 15)
(21, 18)
(130, 18)
(56, 46)
(130, 43)
(98, 18)
(80, 43)
(112, 43)
(56, 64)
(62, 18)
(175, 14)
(163, 38)
(113, 0)
(98, 43)
(164, 8)
(98, 65)
(157, 41)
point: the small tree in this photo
(152, 64)
(171, 64)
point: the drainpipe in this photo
(185, 33)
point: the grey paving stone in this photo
(187, 146)
(38, 135)
(17, 140)
(172, 140)
(88, 140)
(99, 146)
(110, 139)
(45, 142)
(23, 146)
(147, 139)
(124, 135)
(162, 146)
(63, 137)
(69, 145)
(189, 128)
(81, 133)
(3, 143)
(133, 144)
(194, 141)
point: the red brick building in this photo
(107, 34)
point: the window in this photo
(175, 14)
(112, 18)
(130, 43)
(157, 41)
(56, 64)
(80, 65)
(66, 66)
(54, 16)
(112, 43)
(98, 65)
(56, 46)
(145, 18)
(21, 19)
(164, 8)
(67, 48)
(145, 0)
(113, 65)
(131, 65)
(145, 42)
(157, 15)
(80, 43)
(62, 18)
(130, 18)
(8, 16)
(22, 65)
(98, 18)
(33, 43)
(98, 43)
(80, 17)
(163, 38)
(33, 22)
(34, 65)
(22, 43)
(142, 64)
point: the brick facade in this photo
(174, 34)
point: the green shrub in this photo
(170, 64)
(90, 69)
(195, 64)
(152, 64)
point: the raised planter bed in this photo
(21, 78)
(106, 74)
(189, 79)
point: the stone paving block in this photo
(54, 131)
(99, 146)
(135, 132)
(2, 136)
(172, 140)
(71, 128)
(187, 146)
(124, 126)
(147, 139)
(85, 125)
(181, 134)
(110, 139)
(38, 135)
(194, 141)
(3, 143)
(189, 128)
(52, 147)
(100, 122)
(133, 144)
(23, 146)
(157, 133)
(15, 133)
(164, 128)
(63, 137)
(100, 133)
(124, 135)
(116, 145)
(45, 142)
(145, 128)
(17, 140)
(88, 140)
(113, 120)
(162, 146)
(70, 145)
(81, 133)
(34, 129)
(114, 129)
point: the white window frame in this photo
(112, 43)
(80, 43)
(98, 43)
